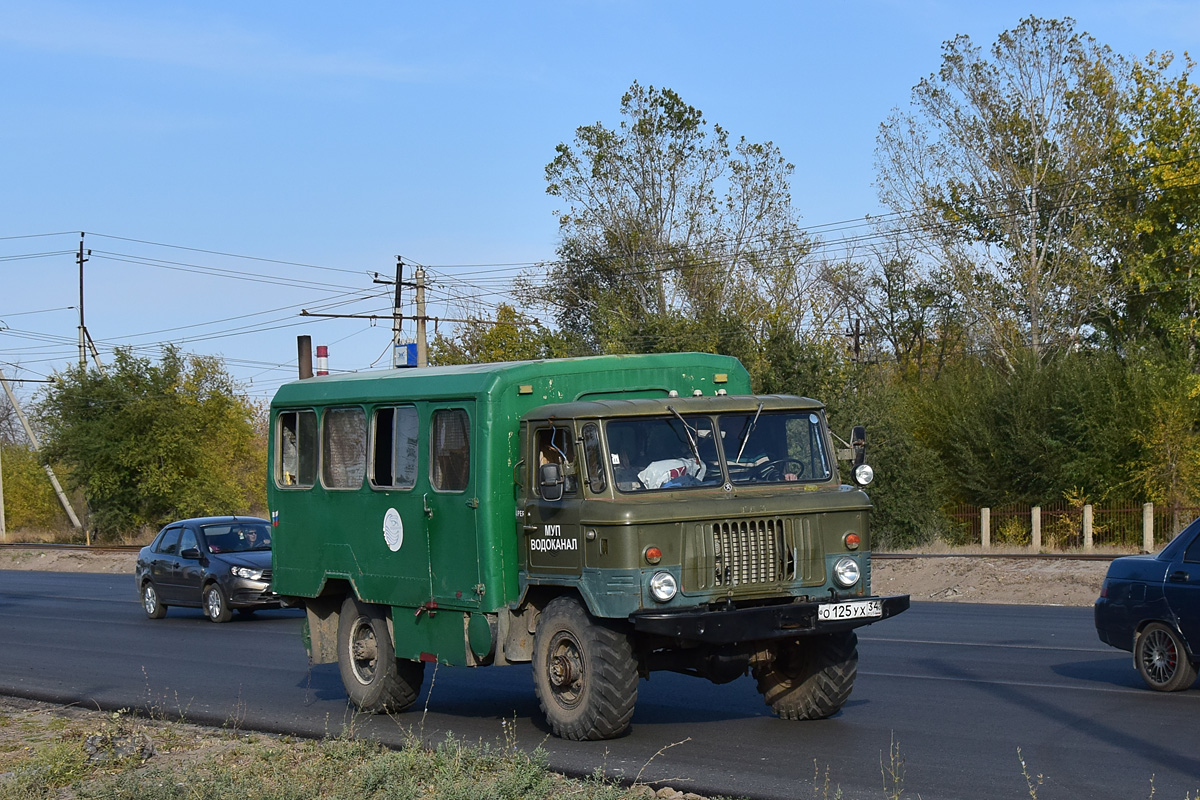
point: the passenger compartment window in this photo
(395, 453)
(296, 456)
(450, 465)
(344, 448)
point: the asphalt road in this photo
(959, 690)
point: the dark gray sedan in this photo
(1150, 605)
(215, 563)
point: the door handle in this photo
(1179, 576)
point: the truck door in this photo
(552, 541)
(451, 505)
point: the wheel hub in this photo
(562, 671)
(564, 668)
(1161, 657)
(364, 651)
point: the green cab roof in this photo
(638, 407)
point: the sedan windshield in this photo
(762, 447)
(237, 537)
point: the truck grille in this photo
(749, 552)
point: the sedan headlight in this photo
(248, 573)
(845, 572)
(663, 586)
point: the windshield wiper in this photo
(690, 434)
(749, 430)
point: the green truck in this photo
(600, 517)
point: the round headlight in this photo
(663, 586)
(845, 572)
(863, 474)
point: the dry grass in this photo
(56, 752)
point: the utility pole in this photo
(422, 345)
(855, 336)
(83, 337)
(62, 496)
(421, 317)
(397, 317)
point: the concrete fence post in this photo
(985, 528)
(1036, 533)
(1148, 527)
(1088, 544)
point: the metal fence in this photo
(1064, 526)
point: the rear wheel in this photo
(810, 678)
(375, 680)
(584, 673)
(1162, 659)
(150, 603)
(216, 605)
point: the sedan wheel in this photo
(150, 603)
(215, 604)
(1162, 659)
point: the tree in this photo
(510, 337)
(671, 234)
(29, 499)
(1000, 165)
(1153, 240)
(150, 442)
(905, 314)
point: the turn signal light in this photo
(653, 555)
(853, 540)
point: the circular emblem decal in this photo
(393, 529)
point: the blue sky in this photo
(341, 135)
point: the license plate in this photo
(853, 610)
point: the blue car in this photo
(1150, 606)
(215, 563)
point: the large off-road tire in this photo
(584, 673)
(151, 603)
(1162, 659)
(810, 678)
(375, 680)
(216, 604)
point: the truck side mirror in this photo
(858, 441)
(550, 482)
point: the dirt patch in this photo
(962, 579)
(978, 579)
(68, 560)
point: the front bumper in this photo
(755, 624)
(246, 593)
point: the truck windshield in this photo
(658, 453)
(759, 447)
(775, 447)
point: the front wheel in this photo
(375, 680)
(150, 603)
(810, 678)
(1162, 659)
(216, 605)
(584, 673)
